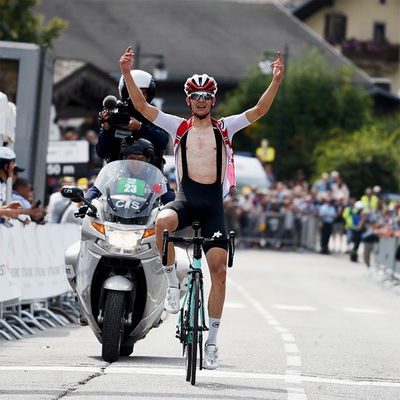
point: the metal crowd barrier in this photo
(386, 270)
(275, 230)
(34, 290)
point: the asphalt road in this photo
(296, 326)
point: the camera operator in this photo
(111, 134)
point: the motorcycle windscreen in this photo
(130, 188)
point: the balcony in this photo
(371, 51)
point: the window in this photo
(9, 78)
(379, 31)
(335, 27)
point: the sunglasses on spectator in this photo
(204, 95)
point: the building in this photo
(366, 32)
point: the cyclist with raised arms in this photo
(205, 174)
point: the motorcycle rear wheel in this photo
(113, 325)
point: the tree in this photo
(367, 157)
(317, 99)
(30, 30)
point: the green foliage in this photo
(313, 100)
(367, 157)
(18, 24)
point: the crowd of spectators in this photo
(275, 217)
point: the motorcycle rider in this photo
(131, 149)
(110, 138)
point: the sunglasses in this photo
(204, 95)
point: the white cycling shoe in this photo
(211, 360)
(172, 299)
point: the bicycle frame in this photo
(188, 300)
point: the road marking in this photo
(291, 348)
(288, 307)
(173, 371)
(363, 310)
(281, 329)
(292, 376)
(288, 337)
(62, 368)
(296, 394)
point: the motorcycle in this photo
(116, 269)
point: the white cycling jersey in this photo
(177, 127)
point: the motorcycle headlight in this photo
(123, 242)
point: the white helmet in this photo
(359, 205)
(199, 83)
(143, 80)
(6, 154)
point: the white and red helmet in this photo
(200, 83)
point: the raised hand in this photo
(126, 61)
(278, 67)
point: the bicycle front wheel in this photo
(194, 319)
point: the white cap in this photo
(7, 154)
(376, 189)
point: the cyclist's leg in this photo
(217, 260)
(166, 219)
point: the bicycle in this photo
(191, 322)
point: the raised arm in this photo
(263, 105)
(140, 103)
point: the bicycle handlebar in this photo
(199, 240)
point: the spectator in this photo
(340, 190)
(300, 180)
(288, 215)
(338, 229)
(23, 192)
(231, 212)
(323, 185)
(369, 236)
(270, 174)
(370, 200)
(377, 191)
(348, 220)
(334, 175)
(327, 214)
(273, 223)
(245, 205)
(7, 164)
(16, 172)
(357, 224)
(57, 203)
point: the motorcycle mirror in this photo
(73, 193)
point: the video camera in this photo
(119, 115)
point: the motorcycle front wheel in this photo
(113, 325)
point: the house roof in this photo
(307, 8)
(221, 38)
(79, 88)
